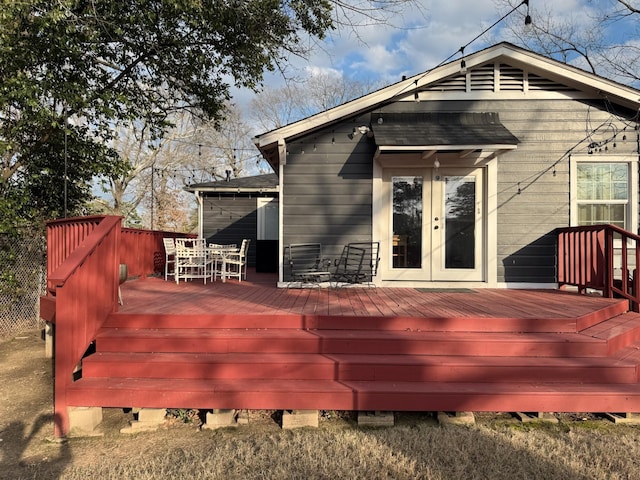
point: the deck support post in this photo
(375, 419)
(220, 418)
(624, 418)
(456, 418)
(525, 417)
(84, 420)
(48, 339)
(148, 419)
(299, 418)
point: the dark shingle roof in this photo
(255, 183)
(446, 128)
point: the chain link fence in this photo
(20, 298)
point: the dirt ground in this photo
(26, 400)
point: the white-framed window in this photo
(604, 189)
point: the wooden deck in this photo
(260, 296)
(250, 345)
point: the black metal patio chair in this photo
(307, 266)
(370, 261)
(349, 265)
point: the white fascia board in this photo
(238, 190)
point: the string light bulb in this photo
(463, 63)
(527, 17)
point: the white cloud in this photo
(316, 71)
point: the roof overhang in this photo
(467, 136)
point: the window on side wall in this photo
(604, 190)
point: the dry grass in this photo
(415, 449)
(497, 447)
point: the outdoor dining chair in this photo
(219, 254)
(193, 260)
(236, 262)
(169, 257)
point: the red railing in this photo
(143, 251)
(600, 257)
(83, 258)
(64, 236)
(82, 291)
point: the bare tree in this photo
(274, 108)
(583, 38)
(227, 148)
(151, 190)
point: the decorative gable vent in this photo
(451, 84)
(482, 78)
(544, 84)
(509, 79)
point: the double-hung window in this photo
(603, 191)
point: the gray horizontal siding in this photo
(327, 182)
(327, 190)
(229, 220)
(548, 130)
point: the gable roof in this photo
(546, 74)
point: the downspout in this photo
(282, 161)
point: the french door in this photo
(435, 224)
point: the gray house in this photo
(234, 209)
(462, 173)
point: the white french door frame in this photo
(381, 225)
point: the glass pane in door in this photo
(460, 221)
(407, 222)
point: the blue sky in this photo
(426, 33)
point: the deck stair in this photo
(586, 364)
